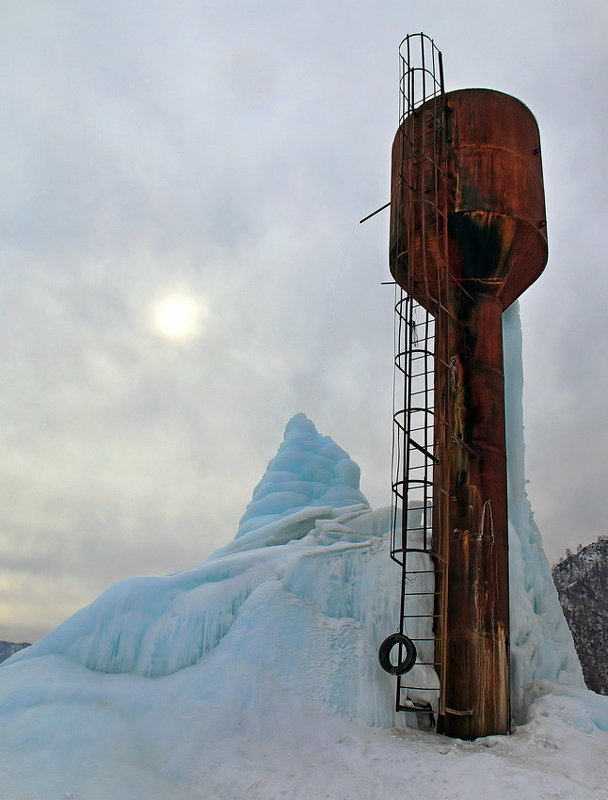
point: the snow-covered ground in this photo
(255, 673)
(245, 732)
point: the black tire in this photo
(384, 652)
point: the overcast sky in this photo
(182, 267)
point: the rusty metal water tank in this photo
(467, 237)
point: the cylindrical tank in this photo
(494, 198)
(468, 236)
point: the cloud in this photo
(228, 150)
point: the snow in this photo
(254, 674)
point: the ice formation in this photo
(541, 643)
(281, 623)
(309, 471)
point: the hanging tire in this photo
(384, 652)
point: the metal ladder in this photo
(419, 416)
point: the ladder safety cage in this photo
(419, 417)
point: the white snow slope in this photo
(255, 673)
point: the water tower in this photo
(467, 237)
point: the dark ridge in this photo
(581, 580)
(8, 648)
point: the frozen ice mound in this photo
(156, 626)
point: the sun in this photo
(179, 316)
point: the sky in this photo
(182, 268)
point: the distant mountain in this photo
(8, 648)
(581, 580)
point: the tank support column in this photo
(476, 680)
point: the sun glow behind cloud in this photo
(179, 316)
